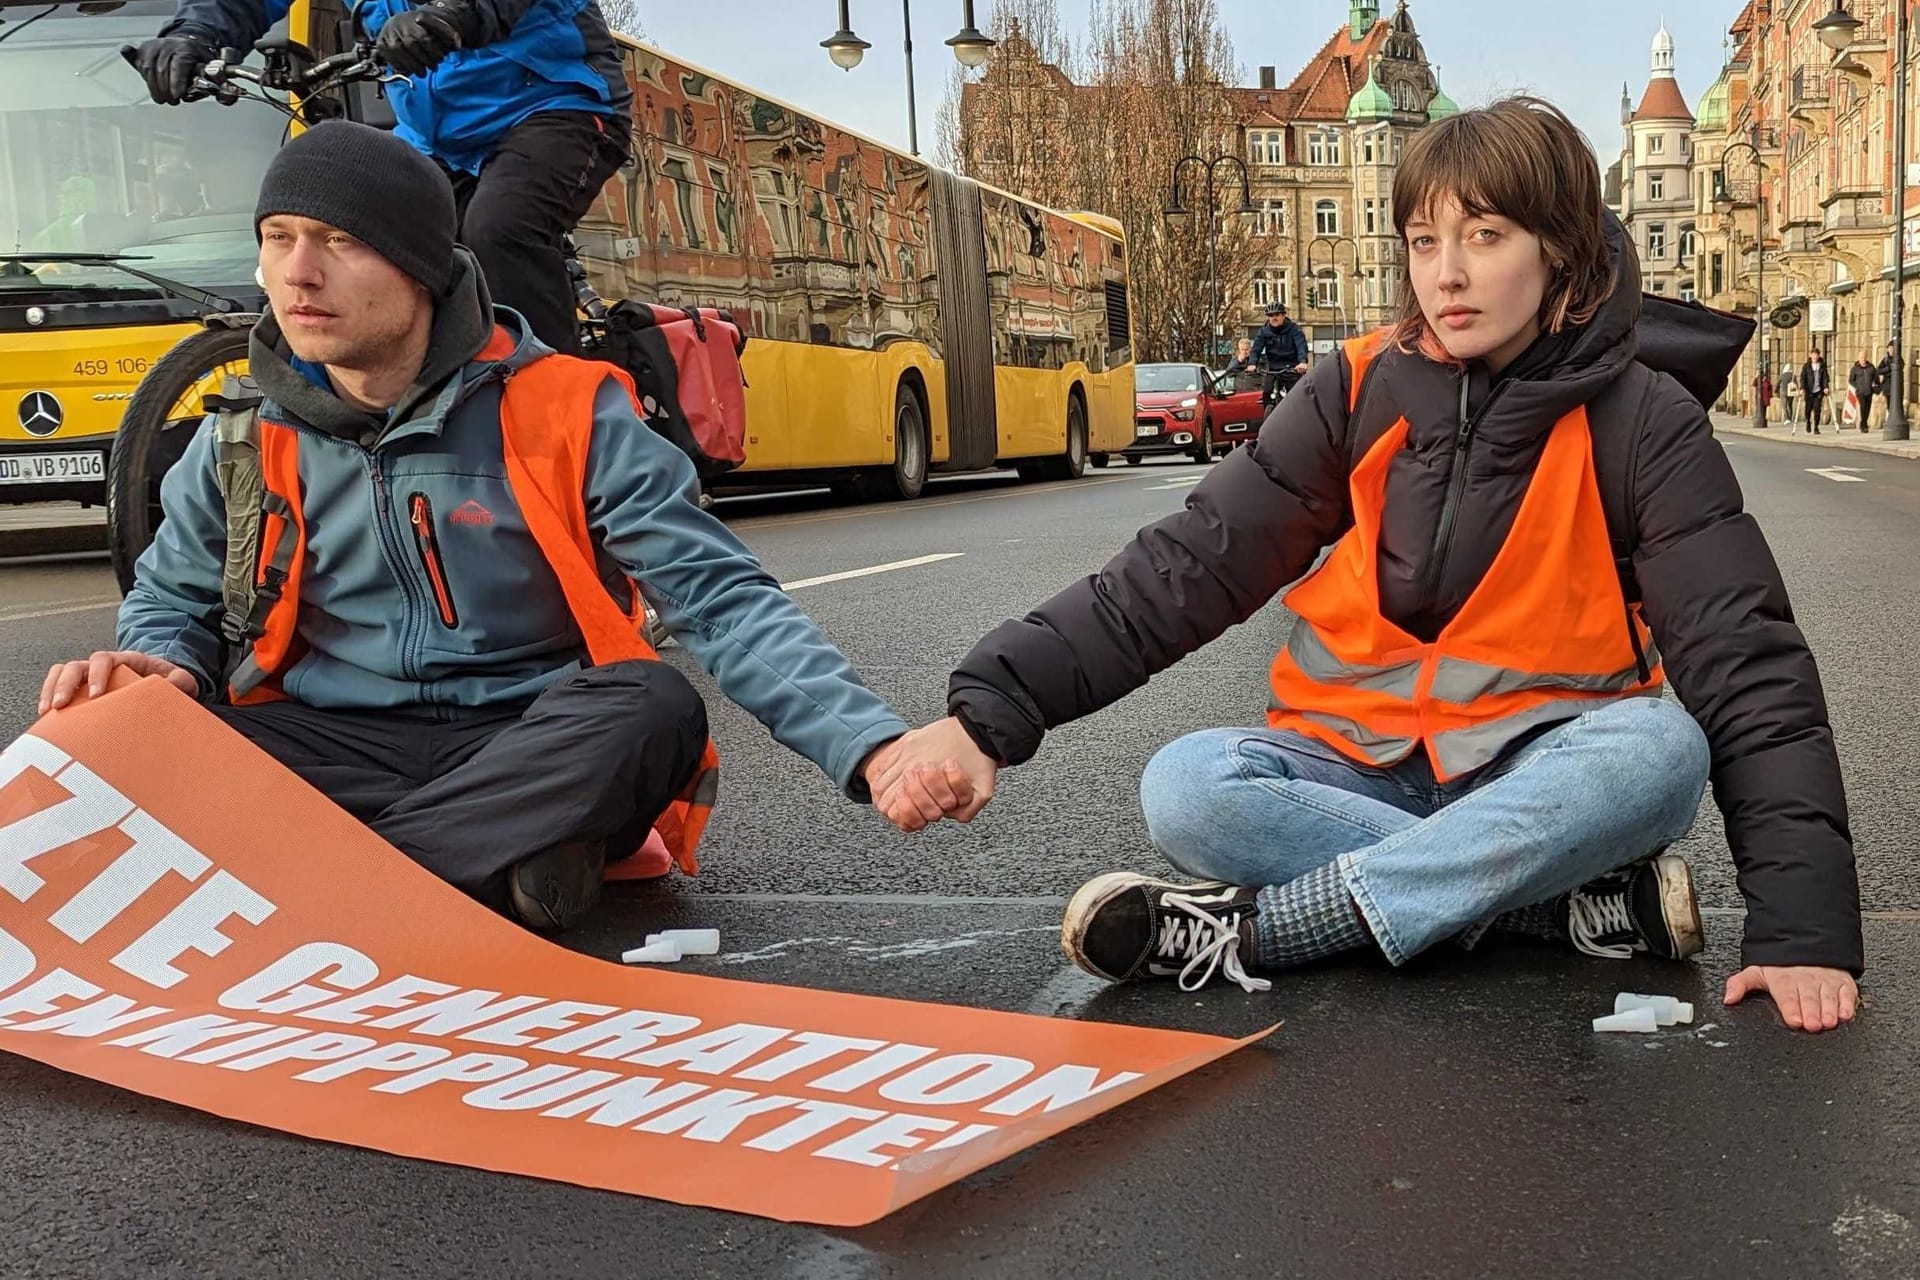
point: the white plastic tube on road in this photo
(1666, 1009)
(1639, 1019)
(691, 942)
(652, 953)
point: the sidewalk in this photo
(1830, 437)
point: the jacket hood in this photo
(463, 320)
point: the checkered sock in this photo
(1307, 919)
(1545, 920)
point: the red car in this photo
(1185, 408)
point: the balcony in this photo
(1854, 209)
(1810, 97)
(1800, 236)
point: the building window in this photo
(1656, 242)
(1656, 145)
(1660, 287)
(1717, 274)
(1656, 186)
(1371, 148)
(1270, 219)
(1267, 147)
(1269, 287)
(1689, 244)
(1323, 147)
(1396, 148)
(1326, 218)
(1686, 291)
(1326, 289)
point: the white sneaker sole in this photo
(1678, 905)
(1097, 893)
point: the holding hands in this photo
(934, 772)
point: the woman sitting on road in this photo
(1466, 728)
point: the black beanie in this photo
(373, 186)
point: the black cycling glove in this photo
(413, 42)
(170, 64)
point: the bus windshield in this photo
(90, 164)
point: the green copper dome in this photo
(1713, 107)
(1441, 106)
(1371, 103)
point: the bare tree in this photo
(624, 16)
(1103, 129)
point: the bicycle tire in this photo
(152, 436)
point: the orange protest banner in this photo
(181, 916)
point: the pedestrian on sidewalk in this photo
(435, 619)
(1883, 382)
(1765, 385)
(1814, 387)
(1790, 400)
(1504, 529)
(1863, 379)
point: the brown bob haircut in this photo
(1520, 158)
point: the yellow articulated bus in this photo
(902, 321)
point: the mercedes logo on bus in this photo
(40, 413)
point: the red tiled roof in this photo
(1663, 101)
(1330, 79)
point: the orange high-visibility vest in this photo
(546, 427)
(1538, 641)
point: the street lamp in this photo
(969, 46)
(1759, 257)
(1175, 211)
(1836, 32)
(847, 49)
(1333, 265)
(1837, 28)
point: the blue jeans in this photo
(1426, 861)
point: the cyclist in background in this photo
(524, 103)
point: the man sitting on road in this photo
(1279, 352)
(446, 507)
(525, 104)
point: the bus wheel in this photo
(1072, 464)
(908, 475)
(1099, 459)
(156, 429)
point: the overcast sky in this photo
(1573, 52)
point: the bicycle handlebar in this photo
(216, 80)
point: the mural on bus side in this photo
(809, 234)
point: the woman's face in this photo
(1480, 280)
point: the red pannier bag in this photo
(685, 363)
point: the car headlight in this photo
(1184, 415)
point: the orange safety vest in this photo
(1538, 641)
(546, 427)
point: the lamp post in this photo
(1175, 211)
(969, 47)
(1836, 32)
(1759, 258)
(1333, 265)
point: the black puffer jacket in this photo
(1711, 590)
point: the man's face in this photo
(338, 302)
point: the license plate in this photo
(1143, 429)
(48, 468)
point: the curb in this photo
(1907, 450)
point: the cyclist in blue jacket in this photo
(524, 103)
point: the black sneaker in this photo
(1122, 926)
(555, 887)
(1648, 906)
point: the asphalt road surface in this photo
(1457, 1118)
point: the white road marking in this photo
(1839, 473)
(914, 563)
(1175, 484)
(58, 609)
